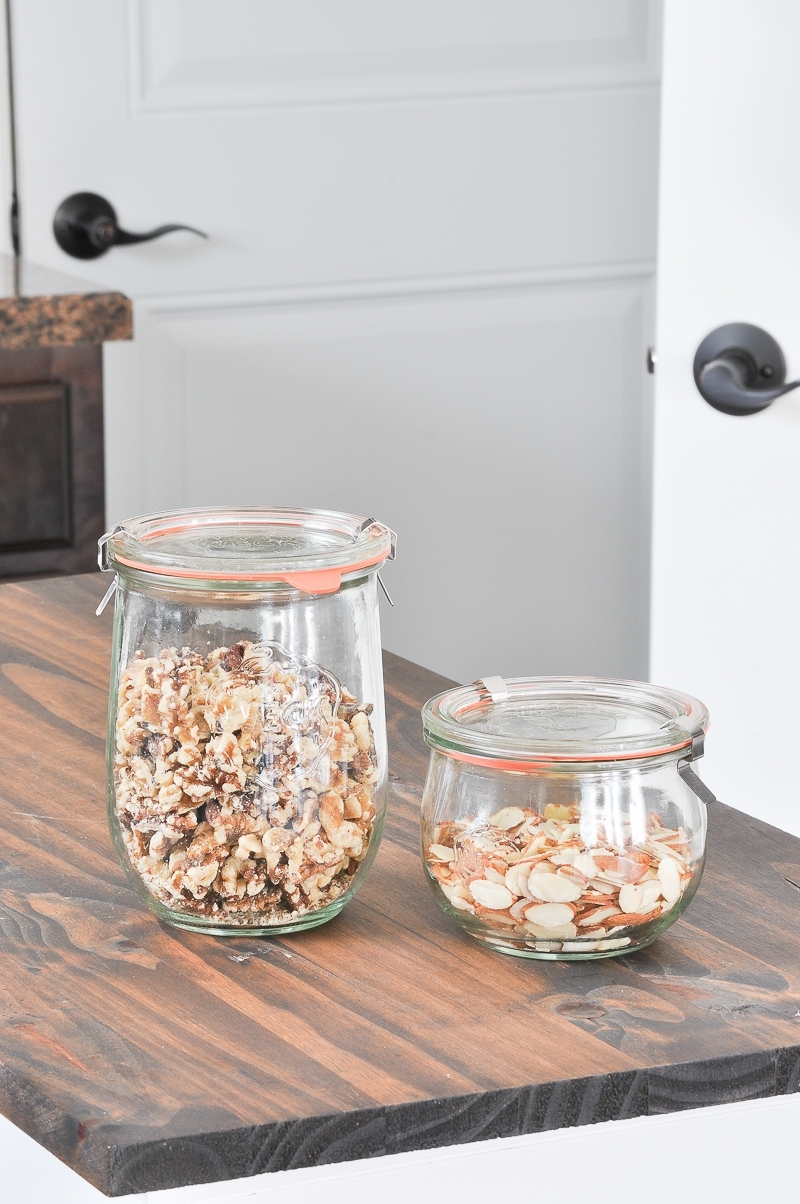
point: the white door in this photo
(726, 536)
(426, 293)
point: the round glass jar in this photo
(557, 818)
(247, 764)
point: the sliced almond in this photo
(670, 878)
(664, 834)
(602, 887)
(630, 897)
(535, 845)
(599, 916)
(562, 932)
(543, 864)
(661, 850)
(610, 879)
(632, 920)
(565, 857)
(549, 915)
(569, 871)
(632, 865)
(534, 877)
(516, 879)
(584, 862)
(553, 888)
(508, 817)
(494, 917)
(561, 811)
(531, 823)
(493, 895)
(651, 890)
(457, 901)
(617, 943)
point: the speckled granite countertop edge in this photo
(64, 320)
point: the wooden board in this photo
(146, 1057)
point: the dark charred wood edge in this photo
(120, 1161)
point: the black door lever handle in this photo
(724, 382)
(85, 226)
(739, 369)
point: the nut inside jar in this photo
(532, 881)
(244, 782)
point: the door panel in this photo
(440, 413)
(311, 52)
(726, 575)
(425, 294)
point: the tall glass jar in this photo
(561, 817)
(247, 762)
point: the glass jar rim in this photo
(309, 550)
(532, 723)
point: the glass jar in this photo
(247, 763)
(560, 817)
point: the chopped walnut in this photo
(244, 782)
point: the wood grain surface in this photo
(148, 1057)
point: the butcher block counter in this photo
(148, 1057)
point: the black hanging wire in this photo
(14, 213)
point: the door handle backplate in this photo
(739, 369)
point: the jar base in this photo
(210, 928)
(498, 945)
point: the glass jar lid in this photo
(532, 722)
(310, 550)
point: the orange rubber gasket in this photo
(310, 581)
(535, 766)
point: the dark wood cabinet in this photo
(52, 500)
(52, 495)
